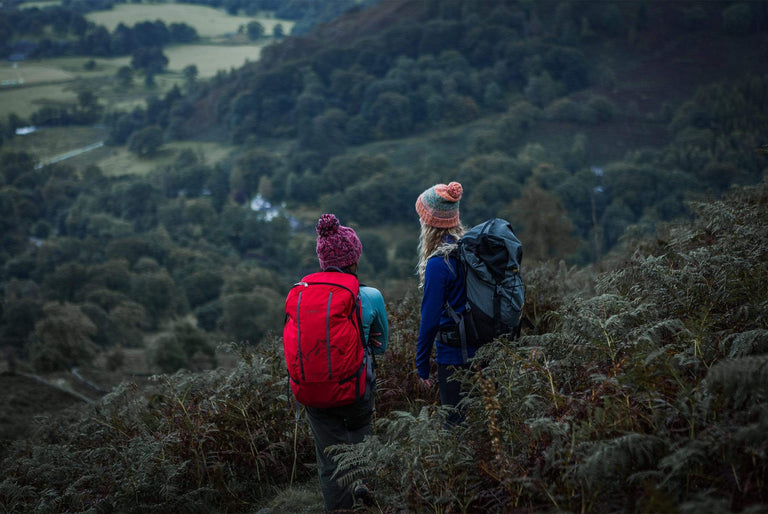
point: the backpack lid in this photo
(492, 250)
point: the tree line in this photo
(72, 34)
(178, 236)
(458, 63)
(58, 30)
(107, 260)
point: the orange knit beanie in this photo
(438, 206)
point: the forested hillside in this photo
(642, 389)
(625, 141)
(575, 121)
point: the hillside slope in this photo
(641, 388)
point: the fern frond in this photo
(751, 342)
(679, 464)
(615, 459)
(660, 332)
(707, 501)
(351, 465)
(753, 438)
(740, 381)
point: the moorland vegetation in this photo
(642, 389)
(601, 129)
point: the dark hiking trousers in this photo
(338, 425)
(451, 392)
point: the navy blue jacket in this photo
(443, 281)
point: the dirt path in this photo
(70, 154)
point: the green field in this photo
(119, 161)
(37, 83)
(29, 85)
(23, 101)
(42, 4)
(210, 59)
(209, 22)
(51, 142)
(32, 73)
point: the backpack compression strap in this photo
(359, 316)
(459, 320)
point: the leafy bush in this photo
(186, 443)
(738, 18)
(62, 339)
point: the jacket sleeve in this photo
(380, 324)
(376, 311)
(431, 308)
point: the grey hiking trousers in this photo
(338, 425)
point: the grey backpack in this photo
(490, 254)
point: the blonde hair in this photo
(431, 243)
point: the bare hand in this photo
(425, 383)
(372, 338)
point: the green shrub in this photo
(738, 18)
(215, 441)
(168, 354)
(599, 110)
(62, 339)
(564, 109)
(184, 347)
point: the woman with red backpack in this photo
(333, 328)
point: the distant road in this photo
(70, 154)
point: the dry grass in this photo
(302, 498)
(22, 400)
(208, 22)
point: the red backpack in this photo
(323, 340)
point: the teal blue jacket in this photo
(374, 316)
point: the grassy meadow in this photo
(210, 59)
(119, 161)
(42, 4)
(209, 23)
(23, 73)
(32, 84)
(50, 82)
(24, 101)
(51, 142)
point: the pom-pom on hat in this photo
(438, 206)
(337, 246)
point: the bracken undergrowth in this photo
(641, 388)
(645, 393)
